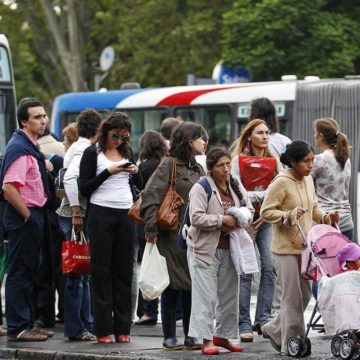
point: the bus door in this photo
(8, 121)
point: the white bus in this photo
(8, 121)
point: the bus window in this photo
(142, 120)
(283, 110)
(215, 119)
(5, 73)
(68, 117)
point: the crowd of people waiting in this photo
(230, 209)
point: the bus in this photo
(8, 121)
(223, 109)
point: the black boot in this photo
(168, 319)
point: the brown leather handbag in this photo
(134, 212)
(169, 207)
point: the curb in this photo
(29, 354)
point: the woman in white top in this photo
(332, 172)
(105, 170)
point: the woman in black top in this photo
(104, 179)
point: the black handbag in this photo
(59, 183)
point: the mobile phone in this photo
(125, 165)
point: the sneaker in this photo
(172, 344)
(27, 336)
(191, 343)
(45, 332)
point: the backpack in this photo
(185, 225)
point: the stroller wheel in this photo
(306, 347)
(295, 346)
(347, 349)
(335, 345)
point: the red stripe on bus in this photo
(186, 97)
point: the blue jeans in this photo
(77, 306)
(267, 284)
(23, 261)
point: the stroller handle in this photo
(301, 231)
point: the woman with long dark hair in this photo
(104, 179)
(291, 200)
(332, 172)
(253, 142)
(186, 142)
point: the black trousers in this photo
(112, 253)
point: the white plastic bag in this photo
(153, 276)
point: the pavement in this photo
(146, 343)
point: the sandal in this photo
(3, 332)
(27, 335)
(123, 338)
(85, 336)
(247, 337)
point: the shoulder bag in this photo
(168, 212)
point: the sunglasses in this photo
(120, 137)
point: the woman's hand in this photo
(300, 212)
(132, 169)
(77, 222)
(116, 169)
(229, 224)
(257, 223)
(151, 238)
(49, 166)
(334, 217)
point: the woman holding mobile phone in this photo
(104, 180)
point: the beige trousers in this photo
(296, 294)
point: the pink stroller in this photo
(318, 260)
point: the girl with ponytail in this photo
(332, 172)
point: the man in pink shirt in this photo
(24, 183)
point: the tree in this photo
(159, 42)
(276, 37)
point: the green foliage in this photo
(276, 37)
(158, 42)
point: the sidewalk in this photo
(146, 343)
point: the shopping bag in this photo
(76, 255)
(153, 276)
(256, 173)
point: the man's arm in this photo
(12, 196)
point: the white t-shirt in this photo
(277, 143)
(115, 191)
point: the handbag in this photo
(75, 255)
(153, 275)
(168, 213)
(134, 212)
(59, 183)
(256, 173)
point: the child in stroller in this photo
(339, 293)
(349, 257)
(338, 303)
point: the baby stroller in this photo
(319, 258)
